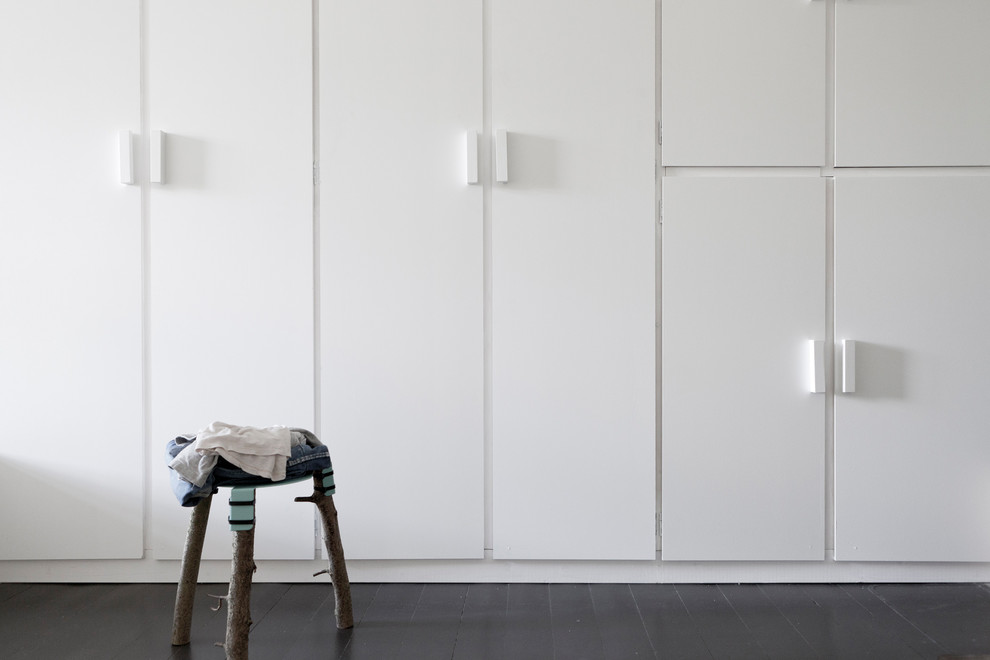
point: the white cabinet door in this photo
(743, 83)
(401, 275)
(573, 311)
(912, 82)
(70, 283)
(231, 243)
(743, 435)
(911, 451)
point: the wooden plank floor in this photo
(516, 621)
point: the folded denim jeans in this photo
(306, 459)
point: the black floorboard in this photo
(770, 629)
(432, 630)
(725, 634)
(573, 623)
(527, 618)
(619, 622)
(481, 632)
(514, 621)
(945, 614)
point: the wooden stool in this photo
(239, 596)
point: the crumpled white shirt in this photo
(260, 451)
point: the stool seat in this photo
(242, 523)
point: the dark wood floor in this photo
(517, 621)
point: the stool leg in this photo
(338, 569)
(186, 590)
(239, 596)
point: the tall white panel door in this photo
(743, 82)
(231, 243)
(912, 461)
(401, 275)
(573, 272)
(70, 282)
(911, 82)
(743, 466)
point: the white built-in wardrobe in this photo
(450, 236)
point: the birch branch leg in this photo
(338, 569)
(343, 609)
(239, 596)
(186, 589)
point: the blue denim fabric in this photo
(304, 460)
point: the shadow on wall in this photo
(184, 161)
(881, 371)
(53, 509)
(533, 161)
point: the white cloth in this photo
(259, 451)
